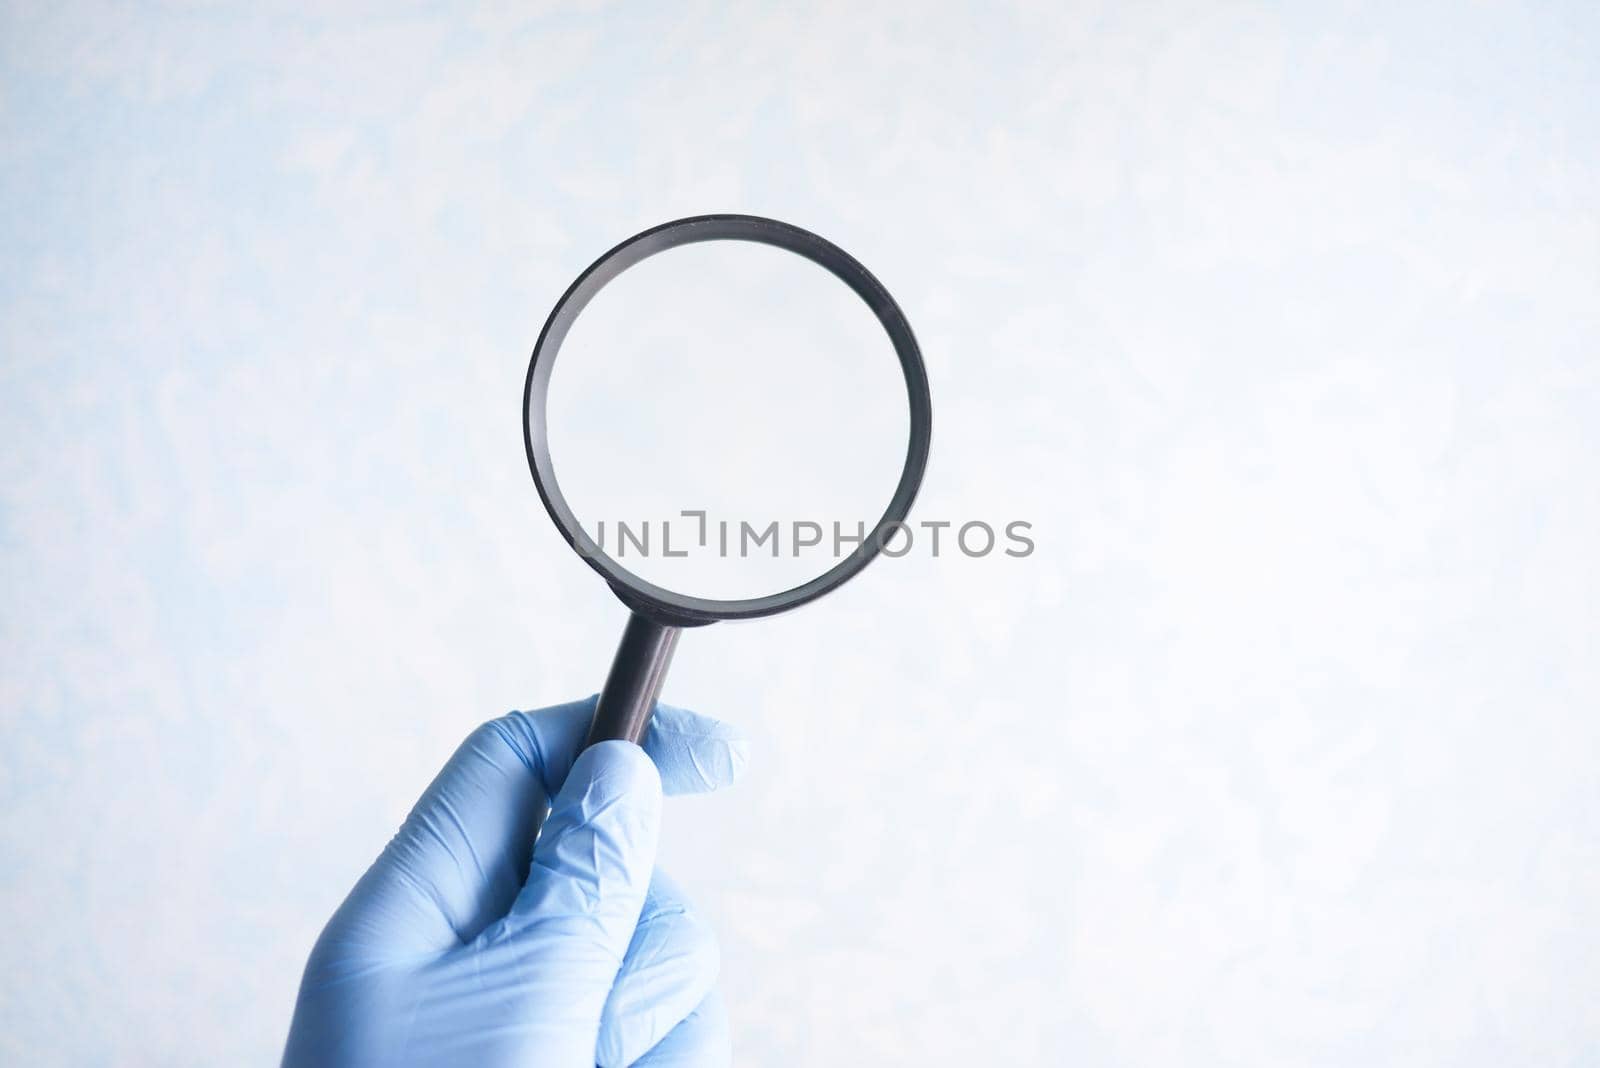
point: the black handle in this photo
(629, 697)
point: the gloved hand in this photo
(489, 933)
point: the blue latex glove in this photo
(489, 933)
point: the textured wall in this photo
(1284, 330)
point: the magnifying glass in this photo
(742, 419)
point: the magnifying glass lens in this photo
(727, 420)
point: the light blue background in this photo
(1281, 323)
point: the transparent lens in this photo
(726, 419)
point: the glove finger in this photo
(569, 928)
(695, 754)
(670, 967)
(462, 855)
(700, 1041)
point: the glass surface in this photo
(739, 381)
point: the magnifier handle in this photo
(637, 671)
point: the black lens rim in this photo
(664, 605)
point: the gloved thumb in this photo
(570, 926)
